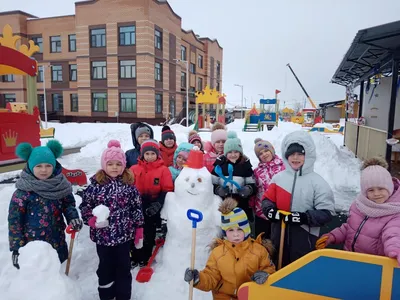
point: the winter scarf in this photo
(56, 187)
(374, 210)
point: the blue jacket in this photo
(132, 155)
(174, 168)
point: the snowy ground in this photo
(336, 164)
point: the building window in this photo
(218, 68)
(158, 39)
(99, 70)
(8, 78)
(72, 43)
(218, 86)
(183, 53)
(99, 103)
(192, 68)
(55, 44)
(74, 102)
(158, 71)
(98, 38)
(56, 74)
(183, 79)
(192, 91)
(158, 103)
(39, 77)
(172, 109)
(41, 102)
(73, 73)
(199, 84)
(10, 98)
(38, 40)
(127, 69)
(127, 35)
(127, 102)
(200, 61)
(58, 102)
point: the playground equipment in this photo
(255, 120)
(330, 274)
(205, 98)
(339, 129)
(287, 114)
(252, 120)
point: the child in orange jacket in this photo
(168, 146)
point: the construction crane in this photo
(304, 90)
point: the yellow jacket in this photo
(229, 266)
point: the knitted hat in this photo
(217, 135)
(113, 152)
(150, 145)
(260, 144)
(233, 143)
(294, 148)
(142, 129)
(184, 154)
(194, 136)
(375, 174)
(167, 133)
(233, 216)
(40, 155)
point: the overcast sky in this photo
(260, 37)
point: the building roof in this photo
(15, 12)
(370, 53)
(331, 104)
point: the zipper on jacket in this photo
(292, 193)
(358, 233)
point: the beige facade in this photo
(114, 57)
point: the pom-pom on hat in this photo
(195, 159)
(233, 143)
(194, 136)
(167, 133)
(113, 152)
(260, 144)
(233, 217)
(40, 155)
(375, 174)
(294, 148)
(150, 145)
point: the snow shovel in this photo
(196, 217)
(72, 232)
(282, 240)
(144, 274)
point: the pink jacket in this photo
(210, 156)
(263, 175)
(378, 236)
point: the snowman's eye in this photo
(187, 179)
(199, 180)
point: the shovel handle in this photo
(282, 240)
(195, 216)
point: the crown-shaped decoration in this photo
(208, 96)
(10, 138)
(9, 40)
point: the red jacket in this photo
(167, 154)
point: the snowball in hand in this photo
(101, 212)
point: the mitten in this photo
(222, 191)
(394, 254)
(324, 241)
(94, 224)
(245, 191)
(260, 277)
(14, 258)
(296, 218)
(161, 232)
(76, 224)
(272, 214)
(153, 208)
(192, 275)
(139, 238)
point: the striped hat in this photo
(233, 216)
(149, 145)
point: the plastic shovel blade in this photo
(144, 274)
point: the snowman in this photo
(193, 190)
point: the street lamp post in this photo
(241, 86)
(187, 88)
(262, 95)
(44, 92)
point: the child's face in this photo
(219, 146)
(114, 168)
(43, 171)
(197, 143)
(141, 138)
(180, 161)
(169, 143)
(150, 156)
(377, 194)
(265, 156)
(233, 156)
(235, 235)
(296, 160)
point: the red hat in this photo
(195, 159)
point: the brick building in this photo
(114, 58)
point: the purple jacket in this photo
(378, 236)
(125, 206)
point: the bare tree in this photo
(297, 107)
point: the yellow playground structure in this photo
(205, 99)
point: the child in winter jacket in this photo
(214, 148)
(303, 193)
(42, 199)
(180, 157)
(243, 185)
(167, 146)
(140, 132)
(195, 139)
(373, 225)
(234, 260)
(153, 180)
(112, 187)
(269, 165)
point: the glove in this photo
(192, 275)
(222, 191)
(94, 224)
(14, 258)
(394, 254)
(153, 208)
(161, 232)
(81, 190)
(272, 214)
(324, 241)
(260, 277)
(139, 238)
(296, 218)
(76, 224)
(245, 191)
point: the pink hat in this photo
(184, 154)
(217, 135)
(376, 176)
(113, 152)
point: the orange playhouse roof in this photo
(254, 111)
